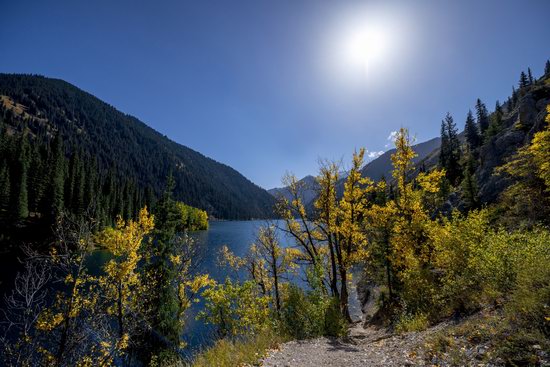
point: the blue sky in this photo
(266, 86)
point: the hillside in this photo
(308, 185)
(382, 166)
(124, 144)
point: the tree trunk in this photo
(334, 277)
(120, 315)
(344, 294)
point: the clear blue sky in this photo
(264, 86)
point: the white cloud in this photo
(374, 155)
(391, 139)
(393, 136)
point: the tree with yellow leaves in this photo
(399, 229)
(351, 241)
(121, 284)
(266, 263)
(73, 330)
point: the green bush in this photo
(310, 314)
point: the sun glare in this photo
(364, 47)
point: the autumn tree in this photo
(121, 285)
(399, 231)
(351, 240)
(267, 264)
(326, 206)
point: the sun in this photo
(365, 46)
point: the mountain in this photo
(382, 166)
(308, 191)
(121, 143)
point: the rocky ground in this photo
(363, 347)
(377, 347)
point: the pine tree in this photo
(20, 196)
(469, 186)
(482, 116)
(496, 122)
(449, 156)
(471, 131)
(523, 80)
(163, 295)
(444, 149)
(530, 76)
(547, 68)
(38, 177)
(55, 205)
(4, 188)
(454, 151)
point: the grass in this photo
(231, 353)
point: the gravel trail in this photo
(363, 347)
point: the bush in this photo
(236, 308)
(529, 304)
(310, 314)
(230, 353)
(408, 323)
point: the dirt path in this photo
(364, 347)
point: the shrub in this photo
(310, 314)
(239, 352)
(529, 304)
(408, 323)
(236, 308)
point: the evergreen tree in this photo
(530, 76)
(164, 297)
(38, 177)
(496, 122)
(78, 188)
(20, 196)
(514, 97)
(444, 148)
(4, 188)
(449, 156)
(523, 80)
(547, 68)
(469, 186)
(455, 153)
(472, 133)
(482, 116)
(55, 205)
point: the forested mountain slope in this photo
(494, 142)
(124, 145)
